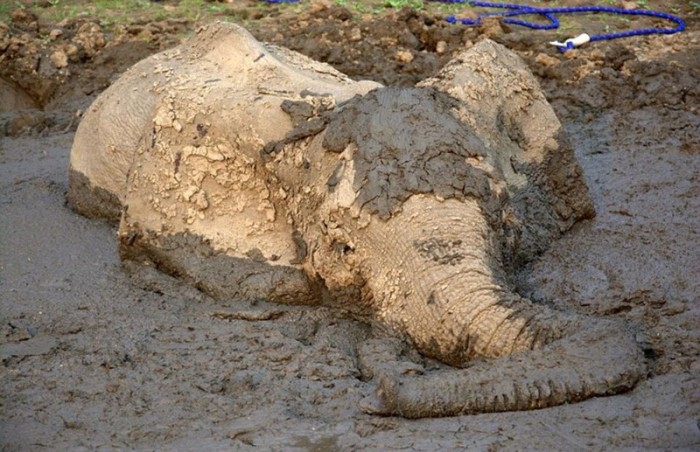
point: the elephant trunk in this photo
(435, 274)
(596, 359)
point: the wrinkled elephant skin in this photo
(254, 172)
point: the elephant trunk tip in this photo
(383, 401)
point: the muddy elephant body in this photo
(254, 172)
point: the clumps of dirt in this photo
(36, 57)
(614, 76)
(401, 47)
(405, 46)
(66, 64)
(629, 83)
(61, 67)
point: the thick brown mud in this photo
(98, 356)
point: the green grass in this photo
(123, 12)
(6, 8)
(417, 4)
(113, 12)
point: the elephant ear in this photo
(504, 104)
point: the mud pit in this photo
(93, 358)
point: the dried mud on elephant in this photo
(255, 374)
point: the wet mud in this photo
(98, 356)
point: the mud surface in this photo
(92, 357)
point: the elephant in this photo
(254, 172)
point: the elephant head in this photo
(416, 217)
(254, 172)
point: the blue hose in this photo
(513, 10)
(548, 13)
